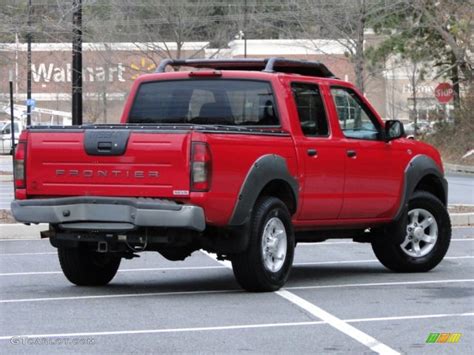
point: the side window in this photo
(355, 119)
(310, 109)
(6, 129)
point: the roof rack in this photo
(268, 65)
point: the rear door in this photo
(322, 157)
(371, 185)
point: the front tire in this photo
(425, 240)
(85, 267)
(266, 264)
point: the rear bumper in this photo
(100, 213)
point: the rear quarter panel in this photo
(232, 157)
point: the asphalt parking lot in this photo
(339, 299)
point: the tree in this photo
(345, 22)
(442, 30)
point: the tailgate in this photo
(101, 162)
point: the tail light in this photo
(200, 167)
(205, 73)
(19, 165)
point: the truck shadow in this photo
(224, 279)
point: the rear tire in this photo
(424, 240)
(85, 267)
(266, 264)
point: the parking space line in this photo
(426, 316)
(21, 240)
(340, 325)
(365, 261)
(124, 295)
(330, 319)
(170, 330)
(468, 239)
(174, 293)
(299, 244)
(230, 327)
(187, 268)
(28, 254)
(31, 273)
(225, 264)
(376, 284)
(327, 243)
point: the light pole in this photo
(245, 29)
(77, 63)
(12, 113)
(28, 64)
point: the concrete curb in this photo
(456, 168)
(462, 219)
(6, 178)
(21, 231)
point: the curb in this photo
(456, 168)
(21, 231)
(462, 219)
(6, 178)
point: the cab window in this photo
(355, 119)
(311, 113)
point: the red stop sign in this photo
(444, 93)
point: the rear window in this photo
(224, 102)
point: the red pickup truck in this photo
(244, 158)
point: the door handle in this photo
(351, 153)
(312, 152)
(104, 146)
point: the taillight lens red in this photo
(205, 73)
(201, 167)
(19, 165)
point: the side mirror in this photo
(393, 130)
(6, 131)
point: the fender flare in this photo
(419, 167)
(264, 170)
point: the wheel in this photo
(85, 267)
(266, 264)
(427, 233)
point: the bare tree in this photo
(161, 29)
(346, 22)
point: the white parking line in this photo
(189, 268)
(299, 244)
(21, 240)
(356, 334)
(231, 327)
(426, 316)
(369, 261)
(28, 254)
(125, 295)
(176, 293)
(225, 264)
(170, 330)
(330, 319)
(469, 239)
(322, 243)
(376, 284)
